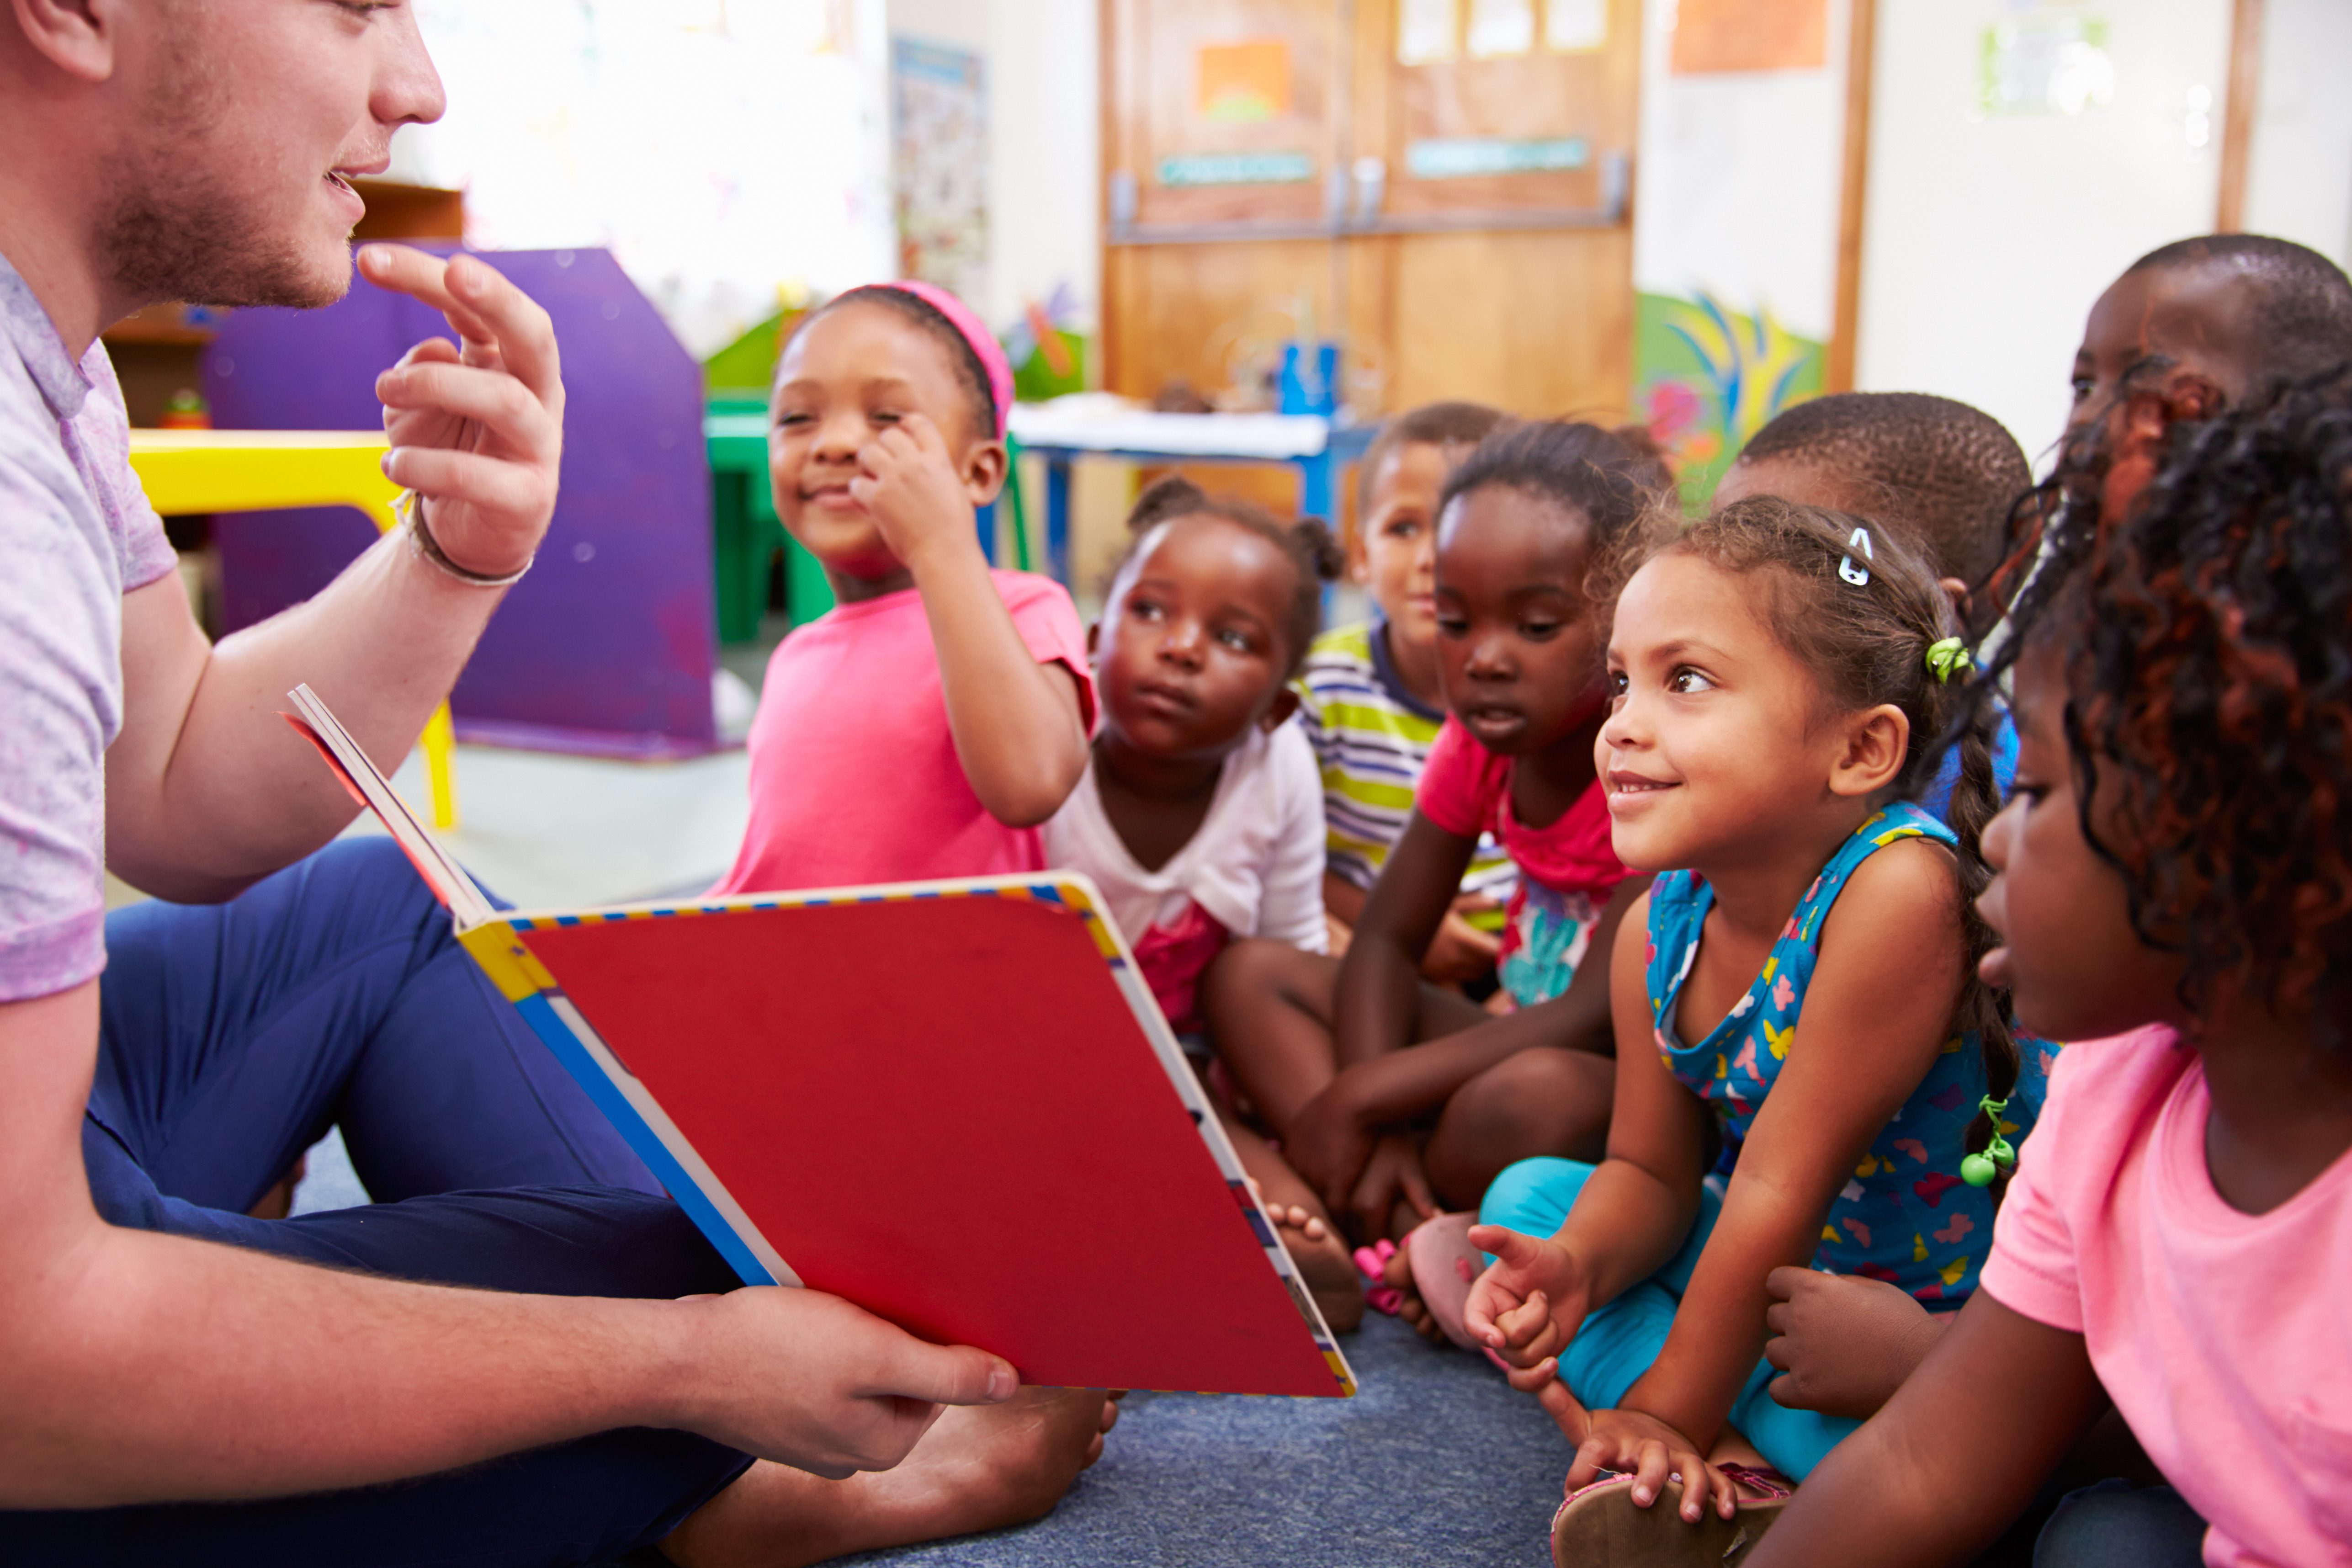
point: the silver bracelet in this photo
(409, 508)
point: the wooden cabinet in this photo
(1443, 185)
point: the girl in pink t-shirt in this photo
(1390, 1096)
(2175, 861)
(928, 724)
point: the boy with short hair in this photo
(1368, 698)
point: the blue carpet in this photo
(1434, 1461)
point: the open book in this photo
(953, 1103)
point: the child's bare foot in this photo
(1307, 1234)
(979, 1468)
(1323, 1263)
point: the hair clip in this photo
(1979, 1170)
(1857, 575)
(1944, 656)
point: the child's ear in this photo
(1877, 739)
(1360, 554)
(985, 467)
(1094, 639)
(1285, 703)
(1958, 593)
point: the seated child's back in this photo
(929, 724)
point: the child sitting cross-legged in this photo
(1804, 1015)
(2177, 1238)
(1370, 699)
(927, 724)
(1390, 1095)
(1200, 815)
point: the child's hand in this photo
(1326, 1144)
(1461, 950)
(907, 483)
(1527, 1305)
(1843, 1343)
(1393, 1175)
(1630, 1441)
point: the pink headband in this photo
(984, 341)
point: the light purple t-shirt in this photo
(76, 534)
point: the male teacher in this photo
(503, 1332)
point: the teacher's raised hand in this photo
(476, 426)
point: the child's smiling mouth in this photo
(1629, 790)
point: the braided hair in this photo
(1865, 643)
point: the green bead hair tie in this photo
(1944, 656)
(1979, 1170)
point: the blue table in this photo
(1317, 447)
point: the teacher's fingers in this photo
(497, 486)
(523, 424)
(482, 305)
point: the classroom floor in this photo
(1435, 1461)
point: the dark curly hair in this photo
(1581, 466)
(1865, 644)
(2208, 641)
(1306, 544)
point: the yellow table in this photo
(189, 471)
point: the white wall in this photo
(1736, 183)
(1987, 240)
(2299, 180)
(1043, 166)
(719, 150)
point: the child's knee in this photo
(1252, 975)
(1537, 1099)
(1534, 1196)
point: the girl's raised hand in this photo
(1652, 1451)
(907, 483)
(1527, 1305)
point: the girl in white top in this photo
(1201, 814)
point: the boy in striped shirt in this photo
(1368, 698)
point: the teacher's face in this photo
(242, 123)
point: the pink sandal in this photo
(1444, 1266)
(1373, 1263)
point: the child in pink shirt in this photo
(927, 725)
(2178, 1236)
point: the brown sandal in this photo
(1600, 1525)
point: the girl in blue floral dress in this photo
(1809, 1071)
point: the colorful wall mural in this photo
(1706, 377)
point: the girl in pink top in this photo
(2177, 861)
(928, 724)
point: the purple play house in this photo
(607, 647)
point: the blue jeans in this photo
(2117, 1525)
(1618, 1342)
(232, 1036)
